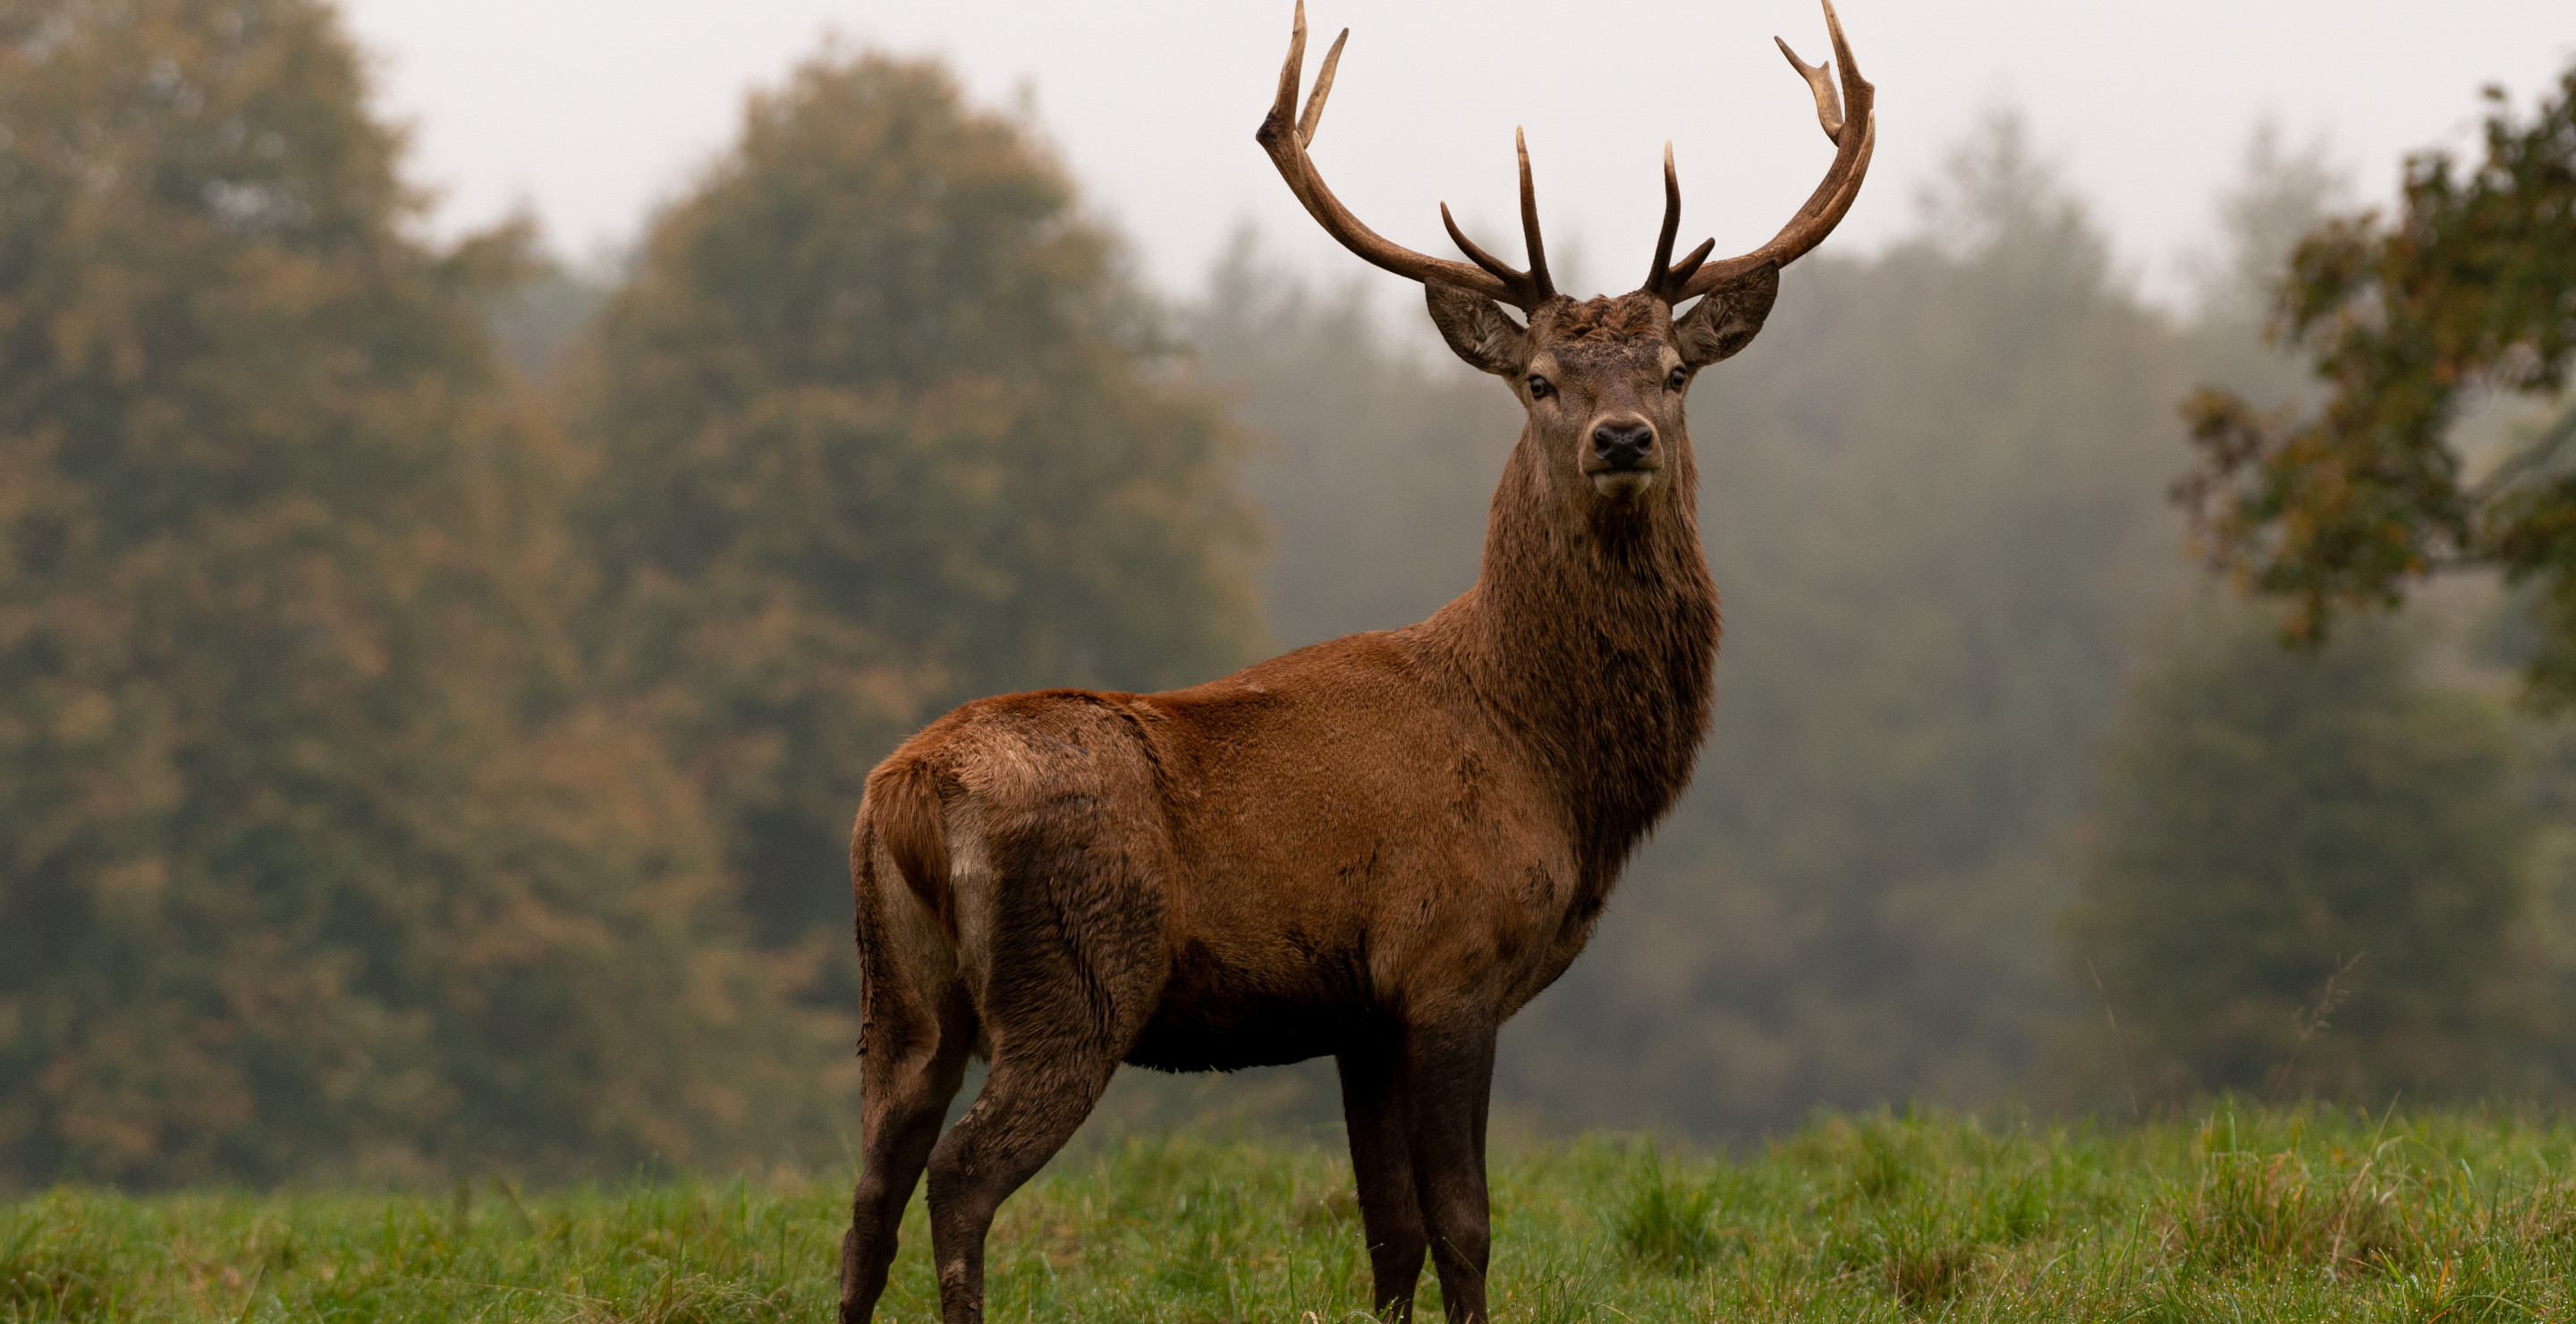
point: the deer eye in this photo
(1676, 381)
(1539, 387)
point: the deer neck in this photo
(1595, 640)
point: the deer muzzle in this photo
(1623, 457)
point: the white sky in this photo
(591, 112)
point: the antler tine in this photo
(1314, 116)
(1824, 208)
(1290, 74)
(1666, 278)
(1501, 270)
(1829, 108)
(1530, 288)
(1285, 140)
(1689, 267)
(1541, 287)
(1672, 221)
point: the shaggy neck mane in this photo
(1597, 645)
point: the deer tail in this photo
(905, 808)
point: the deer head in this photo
(1603, 379)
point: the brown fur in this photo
(905, 794)
(1379, 847)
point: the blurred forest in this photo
(435, 682)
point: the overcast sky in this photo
(591, 112)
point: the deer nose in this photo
(1624, 445)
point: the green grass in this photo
(2243, 1215)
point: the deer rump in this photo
(1256, 871)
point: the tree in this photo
(313, 858)
(2470, 291)
(881, 425)
(2283, 831)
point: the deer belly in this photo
(1268, 1008)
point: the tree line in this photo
(434, 687)
(407, 764)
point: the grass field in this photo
(2241, 1214)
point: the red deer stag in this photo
(1379, 847)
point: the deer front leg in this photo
(1374, 1113)
(1448, 1081)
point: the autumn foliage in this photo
(2411, 321)
(381, 772)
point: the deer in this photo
(1377, 848)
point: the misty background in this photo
(432, 749)
(589, 115)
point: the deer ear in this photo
(1728, 318)
(1478, 329)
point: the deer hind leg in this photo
(907, 1081)
(1448, 1082)
(920, 1027)
(1074, 961)
(1375, 1115)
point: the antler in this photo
(1694, 275)
(1286, 141)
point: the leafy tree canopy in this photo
(881, 425)
(311, 858)
(2469, 291)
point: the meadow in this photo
(2238, 1213)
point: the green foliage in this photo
(2470, 290)
(315, 859)
(2240, 1213)
(2311, 873)
(881, 426)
